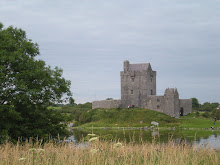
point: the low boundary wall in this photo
(106, 104)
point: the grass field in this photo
(143, 117)
(128, 118)
(98, 152)
(198, 123)
(138, 117)
(193, 121)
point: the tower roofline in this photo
(139, 67)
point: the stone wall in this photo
(169, 102)
(186, 104)
(106, 104)
(134, 88)
(176, 104)
(155, 103)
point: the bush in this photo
(206, 114)
(216, 113)
(209, 106)
(85, 117)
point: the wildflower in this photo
(93, 139)
(93, 151)
(22, 159)
(117, 145)
(91, 134)
(32, 149)
(40, 150)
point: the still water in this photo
(197, 138)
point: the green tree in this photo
(206, 114)
(195, 103)
(206, 107)
(216, 113)
(71, 101)
(7, 121)
(27, 87)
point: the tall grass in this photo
(105, 152)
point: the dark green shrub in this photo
(206, 114)
(216, 113)
(85, 117)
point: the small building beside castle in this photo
(138, 88)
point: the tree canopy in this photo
(27, 87)
(195, 103)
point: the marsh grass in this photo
(105, 152)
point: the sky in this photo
(90, 39)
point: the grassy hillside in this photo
(84, 116)
(140, 118)
(125, 118)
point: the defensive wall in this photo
(170, 103)
(106, 104)
(186, 104)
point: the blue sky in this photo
(90, 39)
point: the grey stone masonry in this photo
(137, 82)
(138, 88)
(186, 104)
(106, 104)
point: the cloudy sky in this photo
(90, 39)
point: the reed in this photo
(105, 152)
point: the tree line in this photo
(209, 109)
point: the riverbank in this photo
(105, 152)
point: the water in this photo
(213, 141)
(197, 138)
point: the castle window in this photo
(151, 92)
(151, 79)
(132, 79)
(158, 100)
(131, 91)
(158, 106)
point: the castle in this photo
(138, 88)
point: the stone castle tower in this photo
(138, 88)
(137, 82)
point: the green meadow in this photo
(137, 117)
